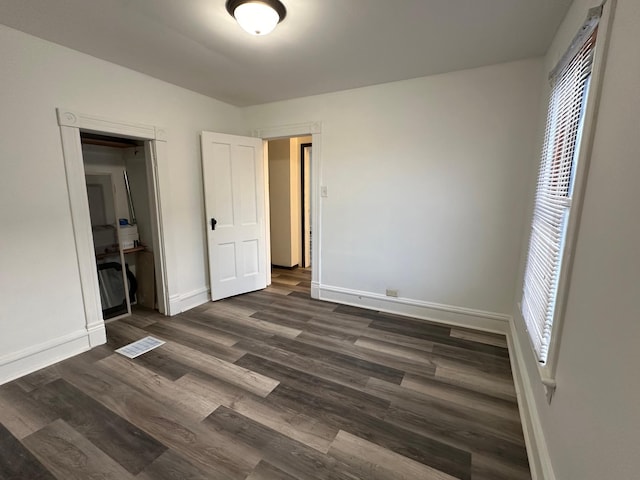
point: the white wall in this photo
(592, 426)
(425, 180)
(41, 303)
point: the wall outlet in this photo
(392, 293)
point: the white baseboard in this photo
(97, 334)
(187, 301)
(434, 312)
(28, 360)
(537, 450)
(315, 290)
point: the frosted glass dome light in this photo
(257, 17)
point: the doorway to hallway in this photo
(290, 180)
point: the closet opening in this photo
(120, 199)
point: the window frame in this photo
(584, 147)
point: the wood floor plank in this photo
(195, 359)
(299, 301)
(163, 364)
(279, 289)
(401, 340)
(426, 366)
(228, 308)
(128, 445)
(409, 326)
(326, 371)
(173, 466)
(302, 287)
(341, 321)
(286, 280)
(69, 455)
(192, 406)
(473, 379)
(459, 395)
(401, 351)
(331, 333)
(266, 471)
(166, 331)
(488, 468)
(293, 458)
(436, 333)
(36, 379)
(141, 319)
(232, 373)
(325, 389)
(95, 354)
(489, 364)
(292, 423)
(455, 431)
(201, 330)
(378, 463)
(414, 325)
(370, 426)
(285, 319)
(120, 334)
(21, 414)
(220, 321)
(330, 355)
(16, 462)
(300, 311)
(228, 459)
(481, 337)
(267, 326)
(506, 428)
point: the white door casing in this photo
(71, 123)
(300, 130)
(235, 211)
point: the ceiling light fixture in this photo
(257, 17)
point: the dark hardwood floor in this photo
(271, 385)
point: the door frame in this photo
(71, 123)
(303, 204)
(299, 130)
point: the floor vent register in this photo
(139, 347)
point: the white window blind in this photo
(570, 85)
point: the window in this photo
(570, 82)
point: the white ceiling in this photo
(321, 46)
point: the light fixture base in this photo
(277, 5)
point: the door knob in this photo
(213, 223)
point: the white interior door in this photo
(233, 172)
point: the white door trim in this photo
(299, 130)
(71, 123)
